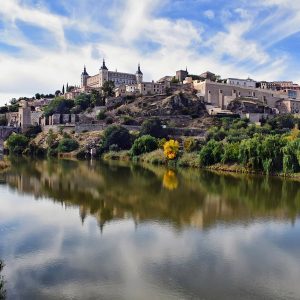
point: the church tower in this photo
(139, 75)
(84, 77)
(103, 74)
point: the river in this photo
(92, 230)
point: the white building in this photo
(247, 83)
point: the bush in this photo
(17, 143)
(116, 135)
(156, 157)
(153, 127)
(144, 144)
(189, 160)
(127, 120)
(67, 145)
(211, 153)
(190, 145)
(171, 149)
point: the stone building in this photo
(248, 83)
(288, 106)
(24, 115)
(145, 88)
(220, 94)
(181, 75)
(119, 78)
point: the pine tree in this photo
(63, 89)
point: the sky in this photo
(45, 43)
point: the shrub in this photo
(116, 135)
(171, 149)
(156, 157)
(67, 145)
(231, 153)
(127, 120)
(17, 143)
(190, 145)
(189, 160)
(211, 153)
(144, 144)
(153, 127)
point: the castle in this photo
(118, 78)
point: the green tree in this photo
(83, 100)
(144, 144)
(116, 135)
(17, 143)
(67, 145)
(58, 106)
(108, 88)
(153, 127)
(37, 96)
(96, 99)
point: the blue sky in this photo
(45, 43)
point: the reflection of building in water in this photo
(138, 195)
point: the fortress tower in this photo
(103, 74)
(84, 77)
(139, 75)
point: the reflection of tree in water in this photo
(170, 180)
(2, 290)
(110, 192)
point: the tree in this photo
(57, 93)
(83, 100)
(58, 106)
(171, 149)
(116, 135)
(152, 127)
(3, 109)
(63, 89)
(96, 99)
(37, 96)
(144, 144)
(17, 143)
(67, 145)
(108, 88)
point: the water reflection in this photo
(211, 237)
(188, 198)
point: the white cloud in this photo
(180, 42)
(209, 14)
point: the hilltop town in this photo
(181, 100)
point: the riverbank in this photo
(188, 160)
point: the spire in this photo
(103, 65)
(139, 70)
(84, 71)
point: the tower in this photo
(84, 77)
(103, 74)
(24, 115)
(139, 75)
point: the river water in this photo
(90, 230)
